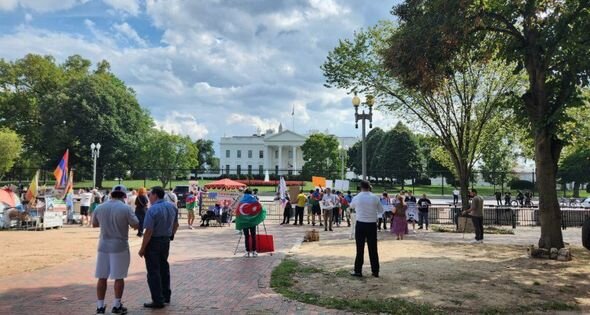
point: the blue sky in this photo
(206, 68)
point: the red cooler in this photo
(265, 243)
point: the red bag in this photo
(265, 243)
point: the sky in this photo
(206, 68)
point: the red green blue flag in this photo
(61, 171)
(249, 212)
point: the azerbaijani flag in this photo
(61, 171)
(249, 212)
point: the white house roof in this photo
(285, 136)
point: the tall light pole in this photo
(95, 149)
(356, 102)
(343, 151)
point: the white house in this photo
(277, 153)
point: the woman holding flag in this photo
(249, 214)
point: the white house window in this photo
(261, 154)
(227, 153)
(276, 154)
(249, 154)
(239, 154)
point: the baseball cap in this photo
(119, 191)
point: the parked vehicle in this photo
(586, 203)
(181, 191)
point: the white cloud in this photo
(28, 17)
(128, 6)
(253, 121)
(128, 31)
(40, 5)
(183, 124)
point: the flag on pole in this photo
(249, 212)
(69, 192)
(293, 111)
(61, 171)
(33, 187)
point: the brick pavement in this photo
(206, 279)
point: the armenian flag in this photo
(249, 212)
(69, 192)
(61, 171)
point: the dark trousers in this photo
(366, 232)
(158, 269)
(287, 215)
(140, 216)
(455, 199)
(250, 236)
(299, 215)
(423, 218)
(478, 226)
(336, 216)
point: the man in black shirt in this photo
(423, 205)
(498, 198)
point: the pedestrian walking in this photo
(476, 213)
(85, 201)
(367, 207)
(300, 207)
(498, 198)
(400, 225)
(161, 223)
(114, 218)
(423, 206)
(191, 202)
(507, 198)
(316, 210)
(386, 204)
(141, 205)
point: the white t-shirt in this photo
(114, 218)
(85, 199)
(455, 192)
(330, 201)
(367, 207)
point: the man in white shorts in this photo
(114, 218)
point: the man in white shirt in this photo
(329, 203)
(85, 200)
(455, 196)
(367, 207)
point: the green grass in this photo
(282, 282)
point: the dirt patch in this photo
(453, 276)
(24, 251)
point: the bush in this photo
(520, 184)
(423, 181)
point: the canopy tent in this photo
(225, 184)
(9, 198)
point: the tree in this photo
(168, 156)
(206, 154)
(398, 155)
(355, 156)
(321, 155)
(547, 40)
(57, 107)
(498, 154)
(575, 167)
(455, 113)
(10, 149)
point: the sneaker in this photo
(247, 254)
(254, 254)
(101, 310)
(474, 242)
(480, 242)
(190, 227)
(119, 310)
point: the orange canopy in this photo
(8, 197)
(226, 184)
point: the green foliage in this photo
(521, 184)
(498, 152)
(575, 167)
(206, 154)
(10, 149)
(57, 107)
(398, 155)
(320, 152)
(456, 112)
(168, 155)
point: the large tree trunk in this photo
(464, 175)
(547, 150)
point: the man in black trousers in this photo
(161, 223)
(367, 207)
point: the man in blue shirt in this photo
(160, 223)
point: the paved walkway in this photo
(207, 279)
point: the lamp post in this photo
(95, 149)
(343, 151)
(356, 102)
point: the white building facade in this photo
(278, 153)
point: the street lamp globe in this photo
(356, 101)
(92, 146)
(98, 146)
